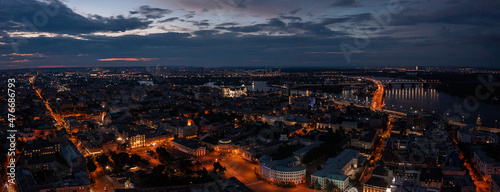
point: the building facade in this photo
(286, 170)
(190, 147)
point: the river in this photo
(408, 98)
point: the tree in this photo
(91, 165)
(330, 187)
(163, 154)
(317, 185)
(158, 170)
(134, 159)
(185, 167)
(171, 171)
(102, 160)
(218, 167)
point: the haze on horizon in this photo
(246, 33)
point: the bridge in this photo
(489, 129)
(408, 80)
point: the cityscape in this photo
(249, 95)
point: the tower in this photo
(478, 123)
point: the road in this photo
(378, 96)
(377, 152)
(244, 171)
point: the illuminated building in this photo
(337, 170)
(432, 179)
(376, 184)
(224, 145)
(286, 170)
(190, 147)
(234, 91)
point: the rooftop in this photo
(281, 165)
(188, 143)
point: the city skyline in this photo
(252, 33)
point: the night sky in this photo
(260, 33)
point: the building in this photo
(470, 134)
(188, 131)
(64, 171)
(419, 120)
(234, 91)
(156, 137)
(376, 184)
(41, 147)
(337, 170)
(486, 165)
(224, 145)
(346, 126)
(190, 147)
(365, 140)
(270, 119)
(406, 176)
(286, 170)
(379, 180)
(495, 183)
(230, 185)
(136, 140)
(182, 127)
(432, 179)
(299, 154)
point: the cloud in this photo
(21, 61)
(23, 55)
(471, 12)
(150, 12)
(272, 26)
(18, 16)
(169, 20)
(291, 18)
(203, 23)
(190, 14)
(295, 11)
(127, 59)
(277, 26)
(338, 3)
(55, 66)
(205, 33)
(227, 24)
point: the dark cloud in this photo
(482, 13)
(150, 12)
(338, 3)
(64, 20)
(227, 24)
(169, 19)
(291, 18)
(275, 25)
(295, 11)
(190, 14)
(205, 33)
(272, 26)
(234, 3)
(203, 23)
